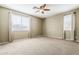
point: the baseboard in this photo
(76, 40)
(54, 37)
(36, 36)
(4, 43)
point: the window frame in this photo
(70, 22)
(23, 29)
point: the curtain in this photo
(69, 26)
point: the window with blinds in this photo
(68, 22)
(20, 23)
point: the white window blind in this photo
(20, 23)
(68, 22)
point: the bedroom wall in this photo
(4, 27)
(35, 30)
(53, 26)
(36, 27)
(77, 25)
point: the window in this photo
(68, 22)
(20, 23)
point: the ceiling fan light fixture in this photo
(41, 8)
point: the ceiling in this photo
(54, 9)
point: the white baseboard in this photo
(54, 37)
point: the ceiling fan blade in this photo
(46, 9)
(41, 7)
(42, 12)
(37, 11)
(44, 6)
(35, 8)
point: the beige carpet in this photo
(40, 46)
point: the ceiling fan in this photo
(41, 8)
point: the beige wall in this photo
(36, 27)
(20, 35)
(35, 30)
(77, 25)
(53, 26)
(4, 28)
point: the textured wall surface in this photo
(53, 26)
(5, 33)
(4, 25)
(36, 25)
(77, 25)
